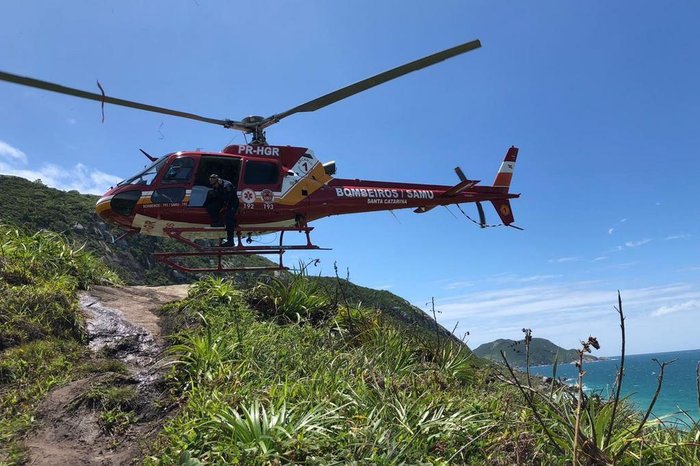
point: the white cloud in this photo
(79, 177)
(600, 258)
(610, 231)
(636, 244)
(680, 236)
(561, 260)
(684, 306)
(500, 279)
(12, 153)
(623, 265)
(536, 300)
(538, 278)
(562, 312)
(457, 285)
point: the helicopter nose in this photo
(118, 207)
(103, 207)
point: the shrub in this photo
(292, 298)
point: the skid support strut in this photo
(219, 253)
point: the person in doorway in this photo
(224, 196)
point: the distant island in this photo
(542, 352)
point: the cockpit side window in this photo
(147, 176)
(257, 173)
(180, 171)
(227, 168)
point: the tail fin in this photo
(505, 173)
(502, 183)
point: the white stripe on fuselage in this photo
(154, 227)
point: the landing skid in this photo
(218, 253)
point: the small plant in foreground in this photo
(105, 397)
(292, 298)
(214, 290)
(116, 421)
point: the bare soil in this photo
(122, 325)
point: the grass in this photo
(290, 373)
(42, 332)
(259, 387)
(115, 399)
(292, 298)
(256, 384)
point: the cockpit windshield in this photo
(148, 175)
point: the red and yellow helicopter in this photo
(281, 188)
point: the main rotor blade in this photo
(31, 82)
(373, 81)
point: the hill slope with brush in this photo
(542, 352)
(33, 206)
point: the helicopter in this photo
(281, 188)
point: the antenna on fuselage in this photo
(150, 157)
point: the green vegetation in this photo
(115, 398)
(281, 385)
(292, 298)
(542, 351)
(33, 206)
(262, 385)
(41, 329)
(294, 369)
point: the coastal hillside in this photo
(31, 206)
(542, 352)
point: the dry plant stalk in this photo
(342, 292)
(528, 339)
(437, 329)
(530, 403)
(585, 348)
(660, 381)
(589, 447)
(620, 373)
(697, 381)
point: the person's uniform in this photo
(223, 196)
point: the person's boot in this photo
(229, 243)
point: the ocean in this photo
(678, 393)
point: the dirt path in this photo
(122, 325)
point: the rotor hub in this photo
(254, 125)
(252, 120)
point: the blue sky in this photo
(601, 97)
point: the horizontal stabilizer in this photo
(466, 184)
(453, 191)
